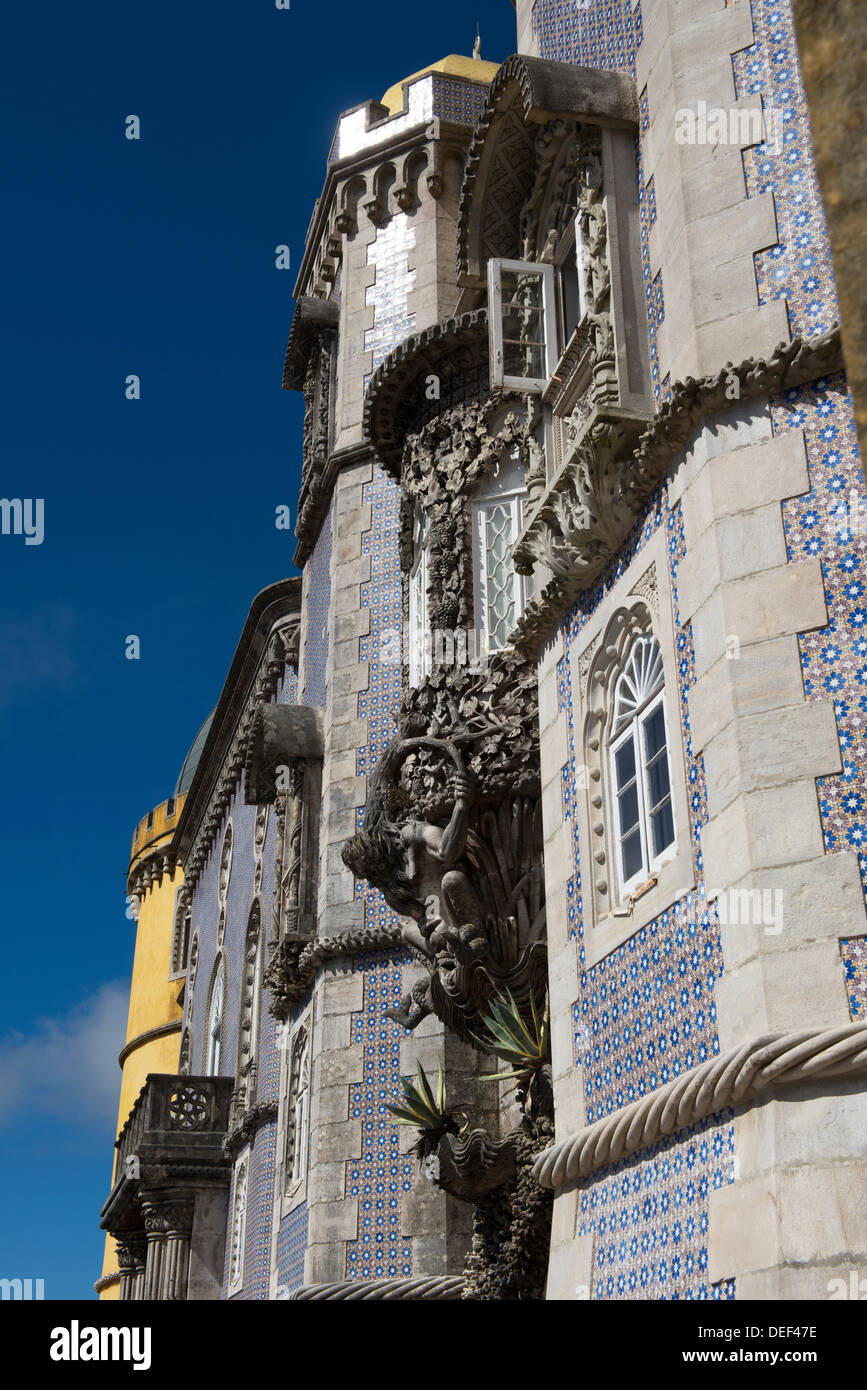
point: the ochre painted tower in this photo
(155, 1008)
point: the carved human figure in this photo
(417, 867)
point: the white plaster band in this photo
(742, 1073)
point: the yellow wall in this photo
(153, 996)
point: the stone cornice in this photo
(311, 317)
(588, 509)
(164, 1030)
(317, 506)
(259, 663)
(396, 398)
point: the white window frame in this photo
(633, 731)
(546, 273)
(419, 583)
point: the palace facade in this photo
(546, 776)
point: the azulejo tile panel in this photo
(388, 296)
(854, 955)
(593, 33)
(798, 268)
(830, 523)
(291, 1249)
(381, 1176)
(649, 1216)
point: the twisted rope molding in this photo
(770, 1060)
(442, 1289)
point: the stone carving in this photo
(225, 865)
(189, 1109)
(452, 838)
(294, 964)
(584, 662)
(442, 463)
(648, 589)
(507, 150)
(609, 655)
(247, 1127)
(260, 834)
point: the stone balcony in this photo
(167, 1209)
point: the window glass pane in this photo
(658, 786)
(523, 310)
(628, 803)
(663, 827)
(624, 760)
(522, 287)
(654, 733)
(524, 360)
(630, 849)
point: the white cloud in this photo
(37, 650)
(67, 1069)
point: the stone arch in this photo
(607, 661)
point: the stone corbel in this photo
(284, 769)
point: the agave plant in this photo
(526, 1047)
(424, 1111)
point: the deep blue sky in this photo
(156, 258)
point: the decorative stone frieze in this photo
(594, 500)
(503, 158)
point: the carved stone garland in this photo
(442, 463)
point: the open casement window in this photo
(523, 324)
(640, 768)
(498, 517)
(419, 579)
(215, 1023)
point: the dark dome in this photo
(188, 771)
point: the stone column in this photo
(131, 1255)
(168, 1223)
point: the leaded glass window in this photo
(501, 593)
(419, 579)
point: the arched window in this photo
(214, 1039)
(239, 1224)
(498, 516)
(640, 766)
(181, 938)
(298, 1127)
(419, 580)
